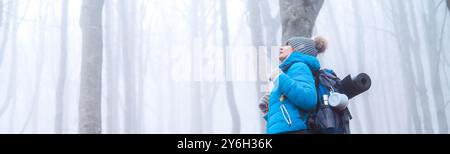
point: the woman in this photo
(294, 92)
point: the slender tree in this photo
(127, 27)
(422, 92)
(5, 26)
(361, 50)
(141, 67)
(380, 57)
(112, 70)
(432, 37)
(62, 70)
(42, 27)
(403, 39)
(263, 27)
(343, 59)
(208, 89)
(196, 107)
(340, 39)
(256, 29)
(1, 13)
(271, 24)
(11, 96)
(3, 43)
(236, 123)
(448, 4)
(91, 67)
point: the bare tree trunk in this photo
(62, 70)
(91, 67)
(256, 28)
(12, 85)
(272, 25)
(34, 112)
(236, 127)
(127, 19)
(340, 43)
(1, 13)
(415, 47)
(380, 57)
(196, 107)
(112, 71)
(3, 44)
(298, 17)
(403, 39)
(5, 28)
(434, 58)
(448, 4)
(361, 49)
(343, 59)
(141, 67)
(208, 89)
(171, 122)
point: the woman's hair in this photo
(321, 44)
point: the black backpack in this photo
(324, 119)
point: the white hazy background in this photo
(179, 79)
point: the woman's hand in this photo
(264, 103)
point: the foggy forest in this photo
(200, 66)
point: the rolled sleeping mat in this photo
(355, 86)
(363, 82)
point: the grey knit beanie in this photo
(303, 45)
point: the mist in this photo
(200, 66)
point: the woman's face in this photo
(285, 51)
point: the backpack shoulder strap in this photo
(316, 75)
(312, 113)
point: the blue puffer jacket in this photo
(296, 84)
